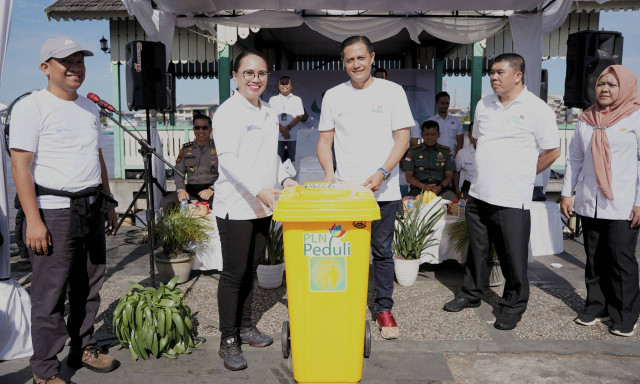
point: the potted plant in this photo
(271, 265)
(412, 235)
(154, 322)
(176, 231)
(458, 236)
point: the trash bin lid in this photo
(326, 202)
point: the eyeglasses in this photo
(250, 75)
(200, 127)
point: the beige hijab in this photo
(602, 118)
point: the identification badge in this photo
(283, 117)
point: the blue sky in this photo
(30, 28)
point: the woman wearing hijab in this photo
(604, 168)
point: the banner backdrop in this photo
(310, 86)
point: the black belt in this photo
(80, 207)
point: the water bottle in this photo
(462, 204)
(184, 206)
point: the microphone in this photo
(103, 104)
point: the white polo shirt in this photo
(510, 139)
(364, 121)
(624, 142)
(449, 129)
(65, 137)
(287, 108)
(466, 164)
(246, 140)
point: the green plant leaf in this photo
(154, 345)
(134, 355)
(188, 323)
(161, 318)
(168, 321)
(178, 322)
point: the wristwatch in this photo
(385, 173)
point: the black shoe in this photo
(504, 326)
(623, 330)
(254, 337)
(505, 321)
(460, 303)
(589, 320)
(231, 352)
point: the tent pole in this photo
(224, 75)
(476, 77)
(118, 139)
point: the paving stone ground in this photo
(434, 346)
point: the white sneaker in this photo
(623, 334)
(589, 320)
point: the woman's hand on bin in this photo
(267, 197)
(289, 182)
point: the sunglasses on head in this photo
(200, 127)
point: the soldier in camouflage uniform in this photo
(199, 162)
(430, 166)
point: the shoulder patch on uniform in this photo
(189, 144)
(180, 155)
(444, 147)
(415, 146)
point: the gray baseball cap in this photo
(59, 47)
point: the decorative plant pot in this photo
(181, 267)
(406, 271)
(270, 276)
(496, 278)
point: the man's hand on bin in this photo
(374, 181)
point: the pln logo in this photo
(337, 231)
(330, 243)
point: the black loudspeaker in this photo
(588, 54)
(544, 85)
(146, 75)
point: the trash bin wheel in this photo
(367, 339)
(286, 340)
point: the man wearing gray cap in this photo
(63, 187)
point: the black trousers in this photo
(243, 243)
(74, 262)
(611, 273)
(509, 229)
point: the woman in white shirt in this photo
(245, 130)
(603, 168)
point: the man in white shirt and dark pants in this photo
(367, 120)
(517, 139)
(290, 112)
(465, 166)
(451, 132)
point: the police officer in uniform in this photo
(430, 166)
(199, 162)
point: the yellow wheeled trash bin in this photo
(327, 236)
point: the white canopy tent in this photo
(457, 21)
(15, 304)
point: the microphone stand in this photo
(147, 152)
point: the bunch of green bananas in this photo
(156, 322)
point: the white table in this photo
(546, 235)
(209, 253)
